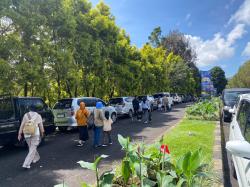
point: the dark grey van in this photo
(12, 110)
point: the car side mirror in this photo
(239, 148)
(231, 110)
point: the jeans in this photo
(146, 115)
(97, 135)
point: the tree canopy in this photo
(218, 78)
(68, 48)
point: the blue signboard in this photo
(207, 86)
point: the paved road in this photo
(60, 154)
(230, 181)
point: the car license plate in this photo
(60, 115)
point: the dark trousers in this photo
(83, 133)
(97, 135)
(136, 113)
(108, 135)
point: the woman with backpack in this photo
(33, 130)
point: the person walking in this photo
(33, 130)
(136, 106)
(165, 103)
(81, 117)
(98, 121)
(145, 108)
(107, 129)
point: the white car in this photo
(239, 140)
(177, 98)
(64, 111)
(122, 105)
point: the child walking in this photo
(107, 129)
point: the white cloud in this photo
(218, 48)
(246, 51)
(237, 32)
(242, 15)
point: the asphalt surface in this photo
(229, 180)
(59, 154)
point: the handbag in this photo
(29, 126)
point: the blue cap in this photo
(99, 105)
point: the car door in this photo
(241, 131)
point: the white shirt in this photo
(145, 105)
(37, 120)
(107, 124)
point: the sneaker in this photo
(26, 167)
(146, 122)
(79, 145)
(110, 143)
(104, 145)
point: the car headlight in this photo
(227, 107)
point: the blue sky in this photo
(217, 30)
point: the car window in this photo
(115, 101)
(247, 126)
(63, 104)
(25, 104)
(243, 119)
(89, 102)
(6, 109)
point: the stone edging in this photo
(217, 155)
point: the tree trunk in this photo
(26, 89)
(76, 90)
(68, 89)
(59, 87)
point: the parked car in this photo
(239, 141)
(229, 97)
(122, 105)
(12, 110)
(64, 111)
(162, 94)
(150, 98)
(176, 98)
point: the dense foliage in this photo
(205, 110)
(242, 78)
(67, 48)
(219, 79)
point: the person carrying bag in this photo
(33, 130)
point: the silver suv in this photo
(122, 105)
(64, 111)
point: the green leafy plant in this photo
(105, 180)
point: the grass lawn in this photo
(191, 135)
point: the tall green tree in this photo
(218, 78)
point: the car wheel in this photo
(113, 117)
(130, 113)
(62, 129)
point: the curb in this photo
(217, 156)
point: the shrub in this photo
(204, 110)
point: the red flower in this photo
(164, 149)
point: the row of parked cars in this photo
(62, 114)
(236, 110)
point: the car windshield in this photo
(116, 101)
(63, 104)
(157, 95)
(233, 95)
(6, 109)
